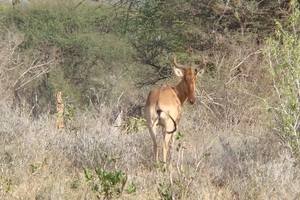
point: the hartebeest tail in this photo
(164, 104)
(164, 116)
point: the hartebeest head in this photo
(188, 75)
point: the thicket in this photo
(284, 66)
(82, 48)
(68, 46)
(161, 29)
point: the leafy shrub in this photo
(189, 28)
(112, 183)
(284, 66)
(80, 41)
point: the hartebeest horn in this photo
(178, 65)
(201, 65)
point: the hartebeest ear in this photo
(201, 68)
(200, 72)
(178, 72)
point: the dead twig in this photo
(35, 76)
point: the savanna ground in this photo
(239, 141)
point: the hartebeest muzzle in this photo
(192, 101)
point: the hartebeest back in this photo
(164, 105)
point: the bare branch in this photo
(240, 63)
(32, 66)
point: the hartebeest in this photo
(164, 105)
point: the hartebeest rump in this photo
(164, 105)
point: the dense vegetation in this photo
(240, 141)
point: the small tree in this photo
(283, 53)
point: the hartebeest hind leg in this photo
(153, 137)
(165, 147)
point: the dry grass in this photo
(215, 163)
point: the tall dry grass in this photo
(212, 163)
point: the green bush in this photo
(112, 183)
(284, 65)
(160, 29)
(80, 40)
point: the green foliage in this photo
(180, 136)
(87, 174)
(134, 124)
(91, 45)
(75, 184)
(63, 24)
(164, 191)
(6, 184)
(207, 154)
(112, 183)
(161, 166)
(131, 187)
(69, 113)
(34, 167)
(157, 165)
(160, 29)
(283, 53)
(179, 189)
(82, 43)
